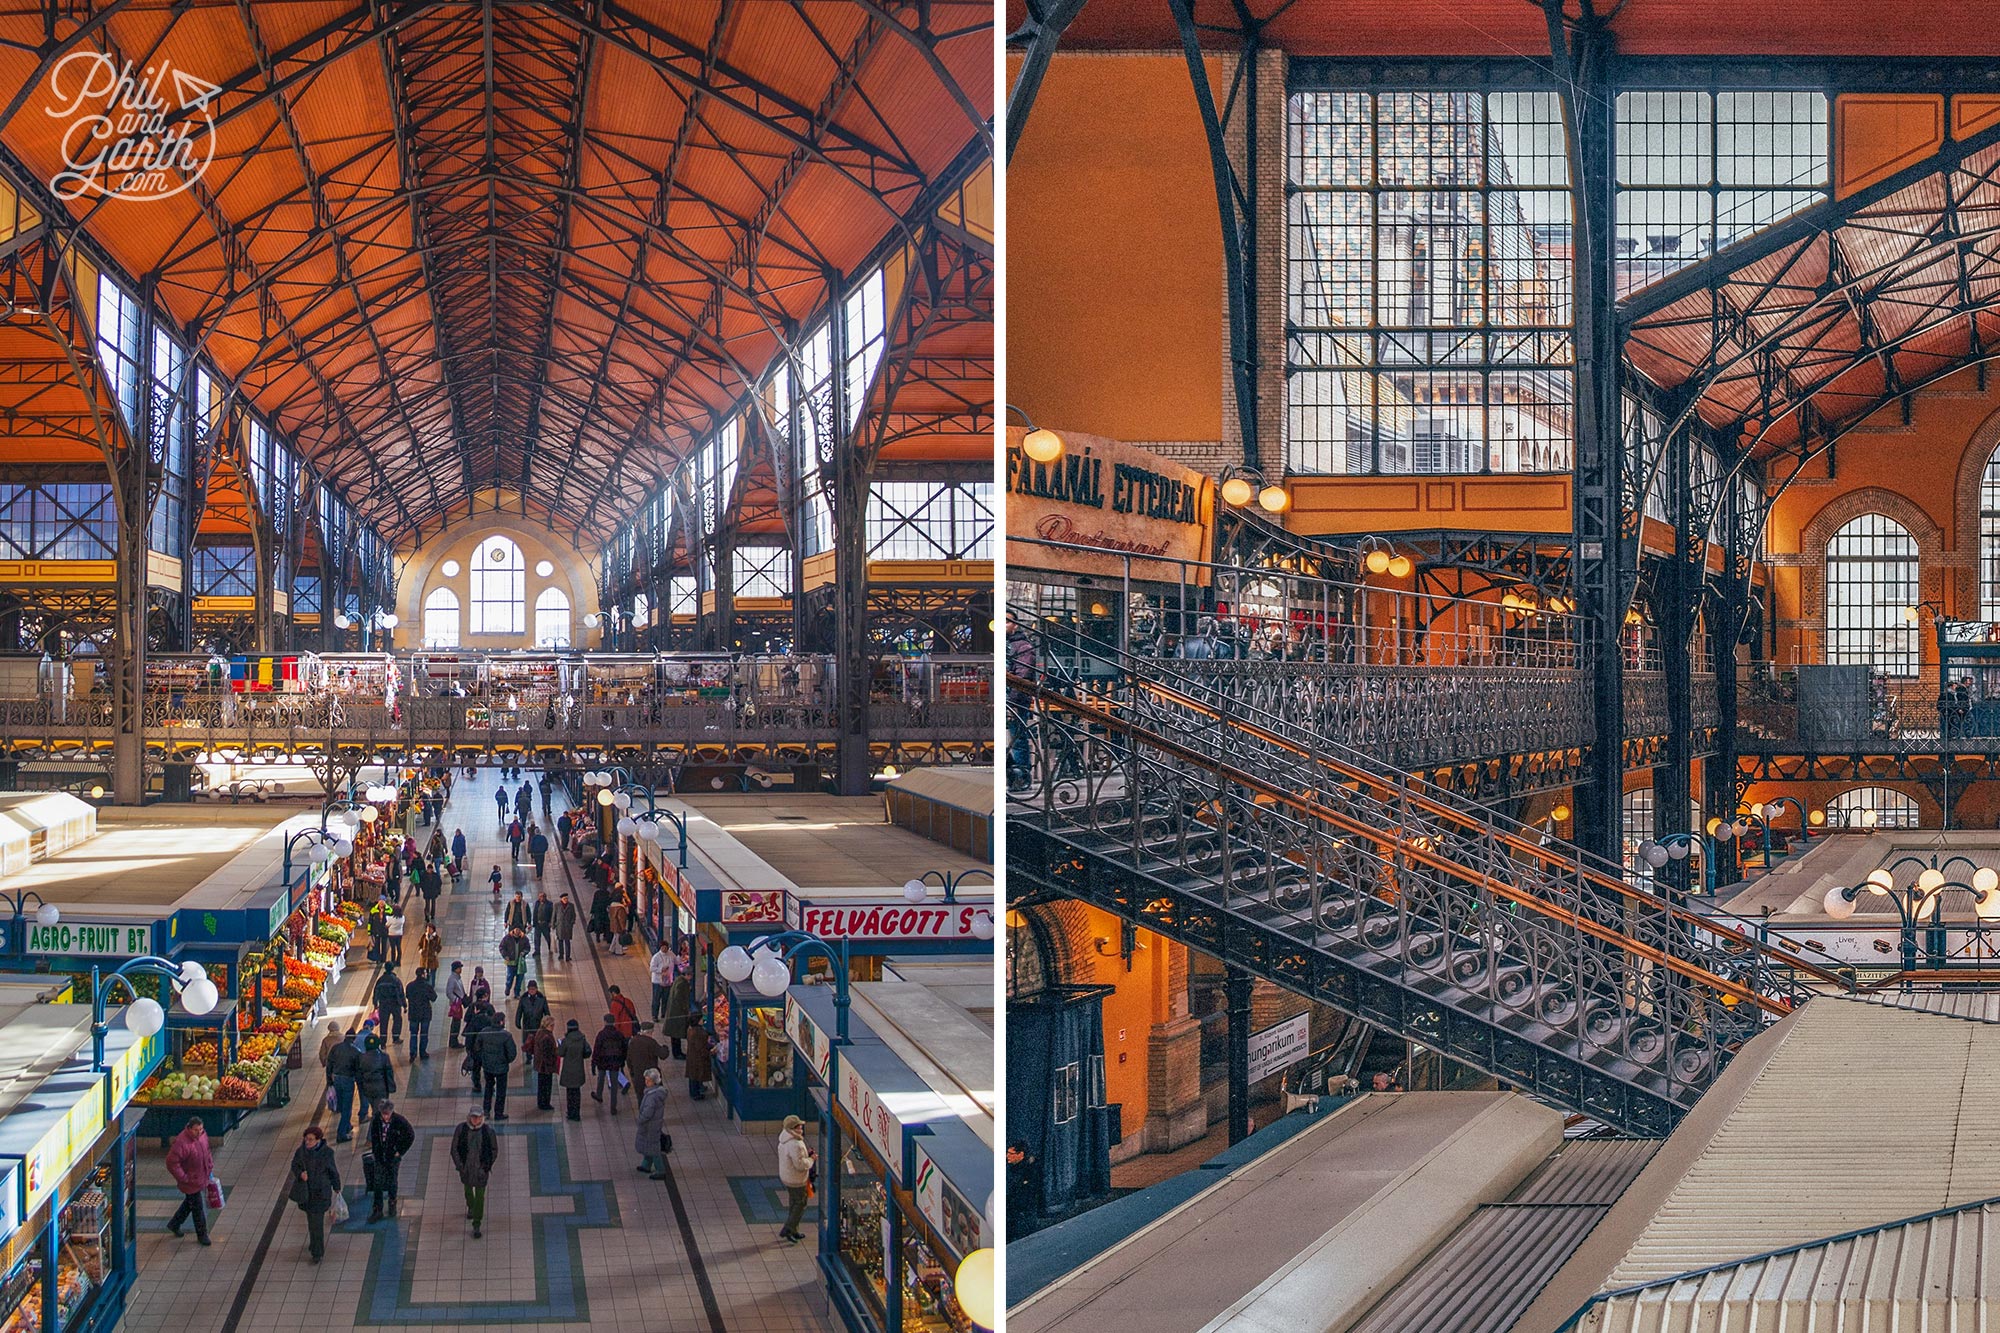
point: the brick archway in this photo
(1844, 509)
(1979, 449)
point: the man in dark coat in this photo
(607, 1057)
(433, 885)
(375, 1078)
(390, 1137)
(389, 1002)
(574, 1051)
(565, 927)
(494, 1051)
(343, 1065)
(420, 998)
(315, 1180)
(475, 1148)
(530, 1012)
(544, 917)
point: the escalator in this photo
(1327, 872)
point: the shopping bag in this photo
(624, 1081)
(332, 1100)
(339, 1208)
(214, 1192)
(370, 1171)
(666, 1144)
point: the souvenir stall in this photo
(68, 1169)
(747, 1025)
(899, 1172)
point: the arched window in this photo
(499, 587)
(1871, 580)
(1989, 539)
(1871, 807)
(441, 619)
(552, 619)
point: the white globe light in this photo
(715, 783)
(1657, 856)
(733, 963)
(389, 620)
(47, 915)
(623, 800)
(649, 830)
(1838, 905)
(982, 925)
(1758, 809)
(144, 1017)
(191, 971)
(1678, 852)
(1986, 879)
(1724, 832)
(317, 854)
(976, 1285)
(1739, 828)
(1869, 818)
(369, 814)
(343, 849)
(1931, 880)
(770, 976)
(916, 891)
(199, 997)
(627, 827)
(1882, 880)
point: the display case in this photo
(754, 1057)
(863, 1237)
(21, 1295)
(929, 1302)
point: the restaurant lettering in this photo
(890, 921)
(1078, 478)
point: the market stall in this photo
(68, 1170)
(897, 1213)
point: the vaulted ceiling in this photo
(451, 249)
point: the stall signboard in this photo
(962, 1225)
(1108, 495)
(891, 921)
(91, 939)
(810, 1042)
(877, 1123)
(133, 1065)
(10, 1199)
(1279, 1046)
(753, 907)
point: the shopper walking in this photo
(544, 917)
(517, 912)
(642, 1053)
(390, 1137)
(375, 1077)
(618, 924)
(191, 1163)
(607, 1057)
(430, 949)
(315, 1182)
(397, 922)
(389, 1002)
(680, 1001)
(474, 1150)
(432, 885)
(455, 998)
(334, 1035)
(700, 1068)
(600, 914)
(575, 1053)
(795, 1164)
(530, 1011)
(650, 1139)
(515, 836)
(514, 951)
(538, 847)
(545, 1055)
(500, 799)
(623, 1013)
(565, 927)
(661, 969)
(457, 852)
(420, 998)
(494, 1051)
(343, 1067)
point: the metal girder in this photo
(1040, 33)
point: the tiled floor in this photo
(575, 1237)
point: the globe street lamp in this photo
(145, 1016)
(919, 890)
(645, 826)
(46, 912)
(1921, 899)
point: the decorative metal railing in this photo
(1239, 832)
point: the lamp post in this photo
(919, 890)
(1768, 811)
(46, 912)
(1657, 852)
(327, 844)
(146, 1016)
(1922, 898)
(645, 826)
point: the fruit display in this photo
(200, 1054)
(239, 1091)
(178, 1087)
(259, 1046)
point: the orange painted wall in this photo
(1114, 253)
(1919, 464)
(1143, 998)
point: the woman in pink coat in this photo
(192, 1166)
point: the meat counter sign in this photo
(83, 940)
(890, 921)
